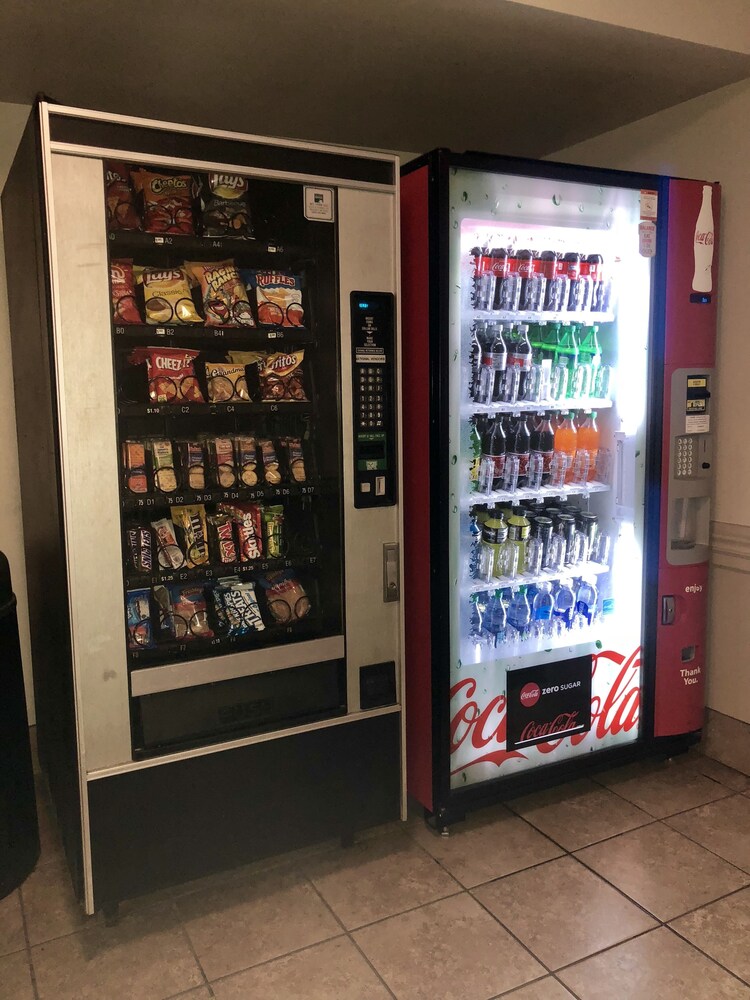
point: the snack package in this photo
(271, 472)
(221, 458)
(225, 301)
(122, 283)
(236, 606)
(138, 541)
(167, 202)
(247, 459)
(247, 520)
(295, 458)
(169, 555)
(226, 212)
(226, 381)
(273, 531)
(134, 465)
(162, 464)
(192, 464)
(285, 596)
(170, 373)
(278, 297)
(221, 542)
(121, 212)
(189, 611)
(191, 522)
(281, 377)
(138, 619)
(167, 295)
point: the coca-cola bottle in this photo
(519, 356)
(532, 293)
(493, 363)
(555, 286)
(483, 292)
(519, 444)
(703, 244)
(585, 285)
(572, 264)
(508, 288)
(525, 260)
(543, 443)
(599, 288)
(494, 449)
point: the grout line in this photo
(603, 951)
(708, 850)
(516, 989)
(191, 946)
(630, 899)
(274, 958)
(512, 934)
(24, 922)
(715, 961)
(350, 937)
(710, 902)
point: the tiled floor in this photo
(632, 885)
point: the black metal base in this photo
(172, 822)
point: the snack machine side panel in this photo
(88, 446)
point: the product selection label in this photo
(548, 701)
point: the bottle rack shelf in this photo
(509, 651)
(522, 493)
(523, 406)
(526, 316)
(472, 586)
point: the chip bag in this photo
(281, 377)
(170, 372)
(138, 614)
(167, 295)
(285, 596)
(226, 381)
(226, 212)
(167, 202)
(122, 282)
(278, 297)
(121, 212)
(225, 301)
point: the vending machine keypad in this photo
(685, 455)
(373, 398)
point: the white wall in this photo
(709, 138)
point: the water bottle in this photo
(586, 600)
(544, 603)
(495, 618)
(519, 612)
(475, 619)
(564, 603)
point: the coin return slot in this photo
(687, 654)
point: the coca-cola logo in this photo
(530, 694)
(478, 729)
(707, 239)
(562, 723)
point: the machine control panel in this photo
(373, 325)
(691, 463)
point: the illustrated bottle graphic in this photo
(703, 243)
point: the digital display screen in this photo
(374, 449)
(697, 382)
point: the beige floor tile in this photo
(378, 878)
(201, 993)
(579, 813)
(234, 927)
(146, 956)
(722, 930)
(50, 904)
(663, 871)
(655, 966)
(11, 924)
(490, 843)
(723, 827)
(662, 788)
(720, 772)
(334, 969)
(15, 977)
(544, 989)
(728, 740)
(449, 950)
(562, 912)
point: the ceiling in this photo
(395, 74)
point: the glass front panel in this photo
(549, 323)
(227, 378)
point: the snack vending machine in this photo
(206, 361)
(559, 329)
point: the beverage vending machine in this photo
(206, 359)
(559, 328)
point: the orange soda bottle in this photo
(588, 440)
(566, 441)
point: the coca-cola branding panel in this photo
(548, 701)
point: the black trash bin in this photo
(19, 830)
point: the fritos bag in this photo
(226, 212)
(225, 301)
(170, 373)
(167, 295)
(278, 297)
(121, 212)
(122, 282)
(167, 202)
(281, 377)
